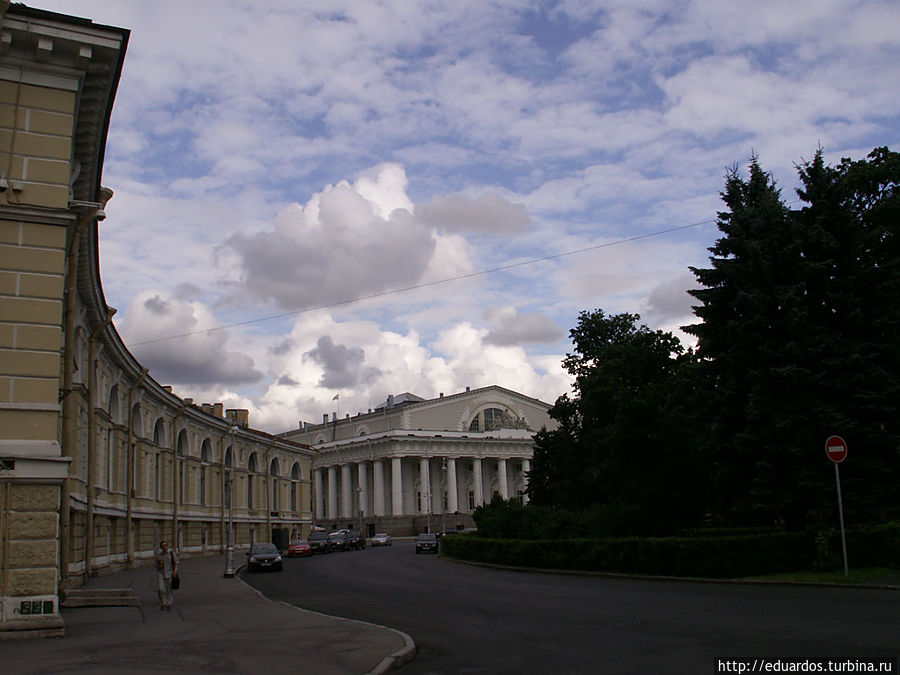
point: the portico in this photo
(444, 478)
(401, 479)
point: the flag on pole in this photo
(336, 397)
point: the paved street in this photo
(467, 619)
(217, 626)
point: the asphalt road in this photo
(467, 619)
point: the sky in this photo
(318, 204)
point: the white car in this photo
(380, 539)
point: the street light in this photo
(229, 491)
(444, 495)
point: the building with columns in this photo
(98, 461)
(414, 465)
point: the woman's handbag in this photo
(176, 580)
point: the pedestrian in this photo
(166, 568)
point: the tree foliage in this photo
(621, 440)
(798, 340)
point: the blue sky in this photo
(279, 158)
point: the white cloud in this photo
(348, 241)
(512, 328)
(488, 213)
(200, 356)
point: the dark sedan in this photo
(264, 557)
(427, 543)
(318, 542)
(338, 541)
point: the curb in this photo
(403, 655)
(649, 577)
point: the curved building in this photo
(98, 461)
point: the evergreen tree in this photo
(798, 339)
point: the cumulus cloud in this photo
(488, 213)
(197, 358)
(669, 301)
(326, 355)
(348, 241)
(342, 366)
(513, 328)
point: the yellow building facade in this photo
(98, 461)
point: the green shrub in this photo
(733, 556)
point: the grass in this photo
(857, 576)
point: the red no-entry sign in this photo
(836, 449)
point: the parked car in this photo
(355, 540)
(427, 543)
(318, 542)
(299, 548)
(338, 540)
(380, 539)
(264, 557)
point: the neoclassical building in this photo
(98, 461)
(414, 465)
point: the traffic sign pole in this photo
(837, 480)
(836, 451)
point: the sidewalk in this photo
(217, 625)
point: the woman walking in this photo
(166, 568)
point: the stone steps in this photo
(100, 597)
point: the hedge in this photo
(702, 556)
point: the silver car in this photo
(380, 539)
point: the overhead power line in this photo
(428, 284)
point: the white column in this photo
(396, 487)
(425, 485)
(501, 478)
(332, 492)
(478, 481)
(378, 480)
(363, 488)
(452, 489)
(526, 467)
(320, 495)
(346, 492)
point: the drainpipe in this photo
(69, 410)
(268, 500)
(129, 488)
(176, 484)
(224, 492)
(92, 442)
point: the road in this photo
(467, 619)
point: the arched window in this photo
(182, 444)
(273, 473)
(159, 432)
(137, 427)
(251, 470)
(295, 485)
(205, 450)
(489, 419)
(113, 404)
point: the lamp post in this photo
(359, 508)
(444, 495)
(229, 490)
